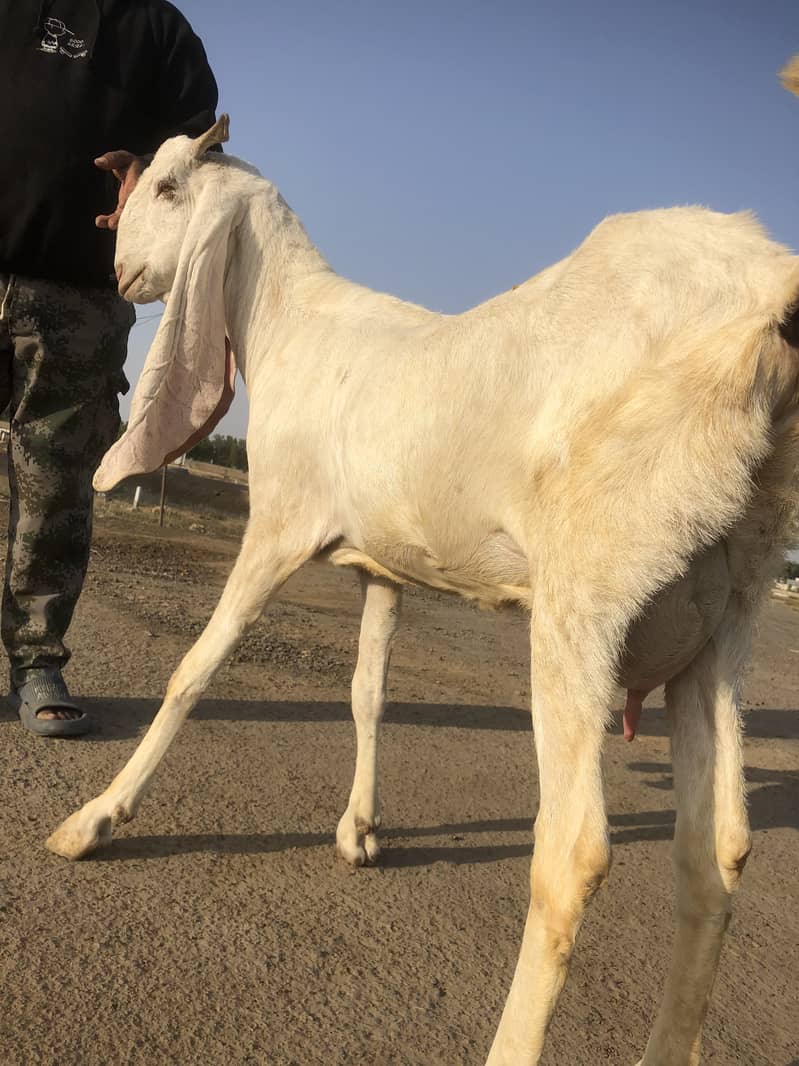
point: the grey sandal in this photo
(42, 689)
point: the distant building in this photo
(5, 433)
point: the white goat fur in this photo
(611, 445)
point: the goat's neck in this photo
(270, 257)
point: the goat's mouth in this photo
(125, 285)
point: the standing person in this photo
(77, 77)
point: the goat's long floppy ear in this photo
(185, 373)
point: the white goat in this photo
(612, 445)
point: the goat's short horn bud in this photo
(218, 134)
(789, 75)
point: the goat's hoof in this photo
(81, 833)
(371, 845)
(358, 847)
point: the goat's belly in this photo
(494, 573)
(677, 624)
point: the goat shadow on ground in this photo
(119, 719)
(396, 851)
(773, 805)
(773, 797)
(122, 719)
(762, 723)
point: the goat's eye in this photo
(165, 189)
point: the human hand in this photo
(127, 169)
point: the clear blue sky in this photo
(444, 151)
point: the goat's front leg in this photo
(356, 836)
(268, 556)
(572, 683)
(711, 839)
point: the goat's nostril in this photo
(119, 271)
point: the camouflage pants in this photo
(62, 349)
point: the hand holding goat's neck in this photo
(127, 169)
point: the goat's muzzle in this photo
(124, 285)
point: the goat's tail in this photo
(789, 75)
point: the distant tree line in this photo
(790, 570)
(222, 450)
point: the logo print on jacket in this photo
(59, 39)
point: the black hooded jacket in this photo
(79, 78)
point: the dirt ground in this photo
(219, 928)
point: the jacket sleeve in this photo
(186, 87)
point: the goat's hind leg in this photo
(265, 561)
(711, 840)
(356, 835)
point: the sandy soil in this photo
(219, 928)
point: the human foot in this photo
(44, 705)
